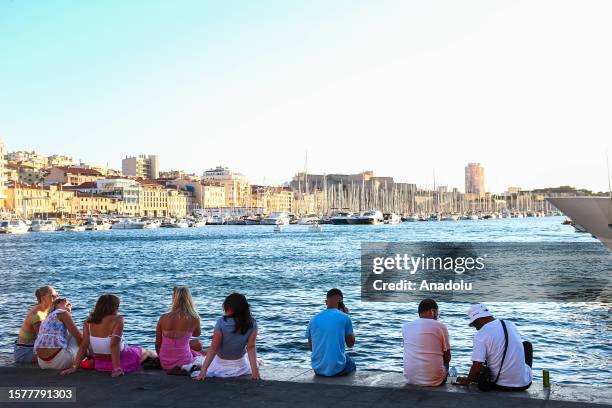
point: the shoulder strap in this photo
(505, 349)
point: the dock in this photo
(284, 387)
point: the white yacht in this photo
(412, 218)
(594, 214)
(13, 227)
(354, 218)
(276, 218)
(308, 220)
(152, 223)
(253, 220)
(128, 223)
(215, 220)
(177, 224)
(94, 224)
(392, 218)
(341, 218)
(74, 228)
(44, 226)
(198, 222)
(452, 217)
(371, 217)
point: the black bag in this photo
(484, 380)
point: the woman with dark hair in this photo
(103, 330)
(23, 350)
(58, 337)
(233, 339)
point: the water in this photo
(285, 277)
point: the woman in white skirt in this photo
(233, 352)
(58, 338)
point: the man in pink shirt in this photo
(426, 347)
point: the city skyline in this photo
(405, 89)
(296, 175)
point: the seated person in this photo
(23, 351)
(103, 330)
(328, 332)
(233, 339)
(514, 372)
(175, 329)
(426, 347)
(58, 338)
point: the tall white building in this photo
(146, 167)
(2, 175)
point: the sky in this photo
(405, 88)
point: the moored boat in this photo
(276, 218)
(371, 217)
(44, 226)
(13, 227)
(128, 223)
(341, 218)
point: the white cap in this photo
(478, 311)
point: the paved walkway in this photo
(285, 387)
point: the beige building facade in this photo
(3, 178)
(71, 175)
(29, 201)
(237, 187)
(142, 166)
(87, 203)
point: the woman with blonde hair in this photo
(175, 329)
(23, 351)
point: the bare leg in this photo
(147, 354)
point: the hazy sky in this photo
(399, 87)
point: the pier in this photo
(283, 386)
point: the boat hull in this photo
(594, 214)
(340, 221)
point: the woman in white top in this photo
(103, 330)
(58, 338)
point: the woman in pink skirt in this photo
(176, 340)
(103, 330)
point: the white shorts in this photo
(63, 359)
(226, 368)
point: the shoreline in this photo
(281, 385)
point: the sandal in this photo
(117, 372)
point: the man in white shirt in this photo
(426, 347)
(489, 344)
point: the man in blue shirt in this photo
(328, 332)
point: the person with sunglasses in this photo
(427, 351)
(58, 339)
(23, 351)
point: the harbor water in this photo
(285, 276)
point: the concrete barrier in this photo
(296, 387)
